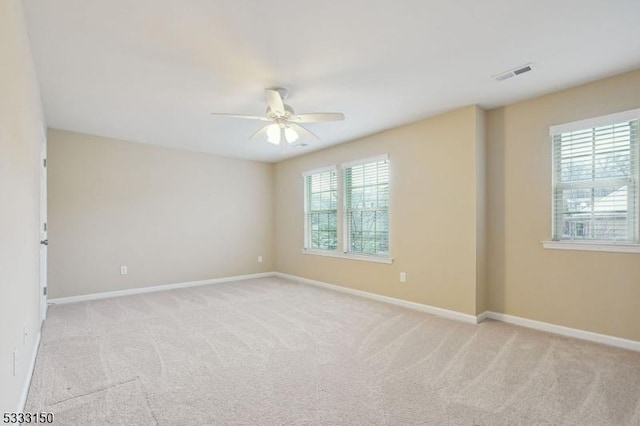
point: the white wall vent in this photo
(513, 72)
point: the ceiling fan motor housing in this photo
(288, 112)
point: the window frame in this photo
(345, 209)
(341, 251)
(633, 184)
(306, 195)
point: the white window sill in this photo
(375, 259)
(592, 246)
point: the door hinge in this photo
(44, 290)
(44, 162)
(45, 226)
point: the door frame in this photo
(43, 225)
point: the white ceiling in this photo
(151, 71)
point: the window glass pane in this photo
(382, 221)
(357, 198)
(316, 201)
(314, 222)
(612, 164)
(576, 168)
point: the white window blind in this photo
(595, 181)
(366, 215)
(321, 202)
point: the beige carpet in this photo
(274, 352)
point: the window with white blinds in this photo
(595, 179)
(321, 210)
(366, 211)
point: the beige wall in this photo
(171, 216)
(593, 291)
(433, 216)
(21, 136)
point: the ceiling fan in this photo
(283, 120)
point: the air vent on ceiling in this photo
(513, 72)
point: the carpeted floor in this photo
(274, 352)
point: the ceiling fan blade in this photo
(274, 100)
(261, 131)
(317, 116)
(246, 117)
(302, 131)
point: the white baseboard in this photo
(151, 289)
(483, 316)
(27, 381)
(392, 300)
(565, 331)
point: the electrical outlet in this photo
(259, 259)
(124, 270)
(403, 277)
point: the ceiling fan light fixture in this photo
(291, 135)
(273, 134)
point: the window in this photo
(366, 201)
(595, 179)
(321, 214)
(352, 223)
